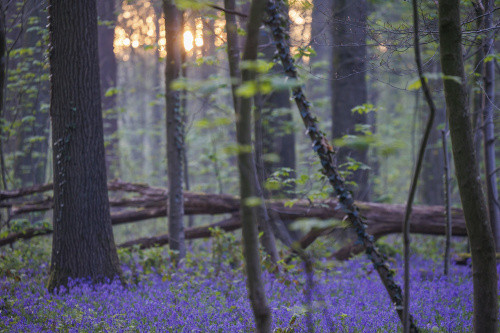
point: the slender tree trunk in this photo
(247, 173)
(108, 69)
(477, 93)
(484, 274)
(349, 83)
(262, 217)
(175, 127)
(447, 201)
(3, 86)
(83, 244)
(489, 127)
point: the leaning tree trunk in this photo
(246, 167)
(484, 274)
(108, 69)
(175, 127)
(489, 127)
(326, 153)
(83, 244)
(349, 83)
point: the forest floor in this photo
(208, 294)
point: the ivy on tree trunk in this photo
(83, 244)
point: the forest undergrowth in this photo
(207, 292)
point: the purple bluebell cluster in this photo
(348, 297)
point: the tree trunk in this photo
(349, 83)
(484, 274)
(83, 244)
(108, 67)
(268, 241)
(278, 132)
(489, 127)
(175, 127)
(247, 172)
(326, 153)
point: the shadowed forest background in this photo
(355, 62)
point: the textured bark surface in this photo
(349, 83)
(484, 274)
(489, 127)
(268, 241)
(175, 127)
(247, 175)
(83, 244)
(108, 67)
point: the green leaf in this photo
(457, 79)
(415, 84)
(112, 91)
(247, 89)
(492, 57)
(192, 4)
(272, 185)
(252, 202)
(363, 109)
(179, 84)
(259, 65)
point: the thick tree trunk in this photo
(349, 83)
(247, 173)
(108, 68)
(482, 245)
(83, 244)
(175, 127)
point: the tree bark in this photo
(247, 172)
(484, 274)
(268, 241)
(175, 127)
(108, 69)
(83, 244)
(349, 83)
(489, 126)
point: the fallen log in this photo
(230, 224)
(381, 219)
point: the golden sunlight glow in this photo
(138, 30)
(198, 40)
(300, 29)
(220, 35)
(188, 41)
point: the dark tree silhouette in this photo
(83, 244)
(175, 127)
(349, 83)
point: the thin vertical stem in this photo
(447, 200)
(416, 173)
